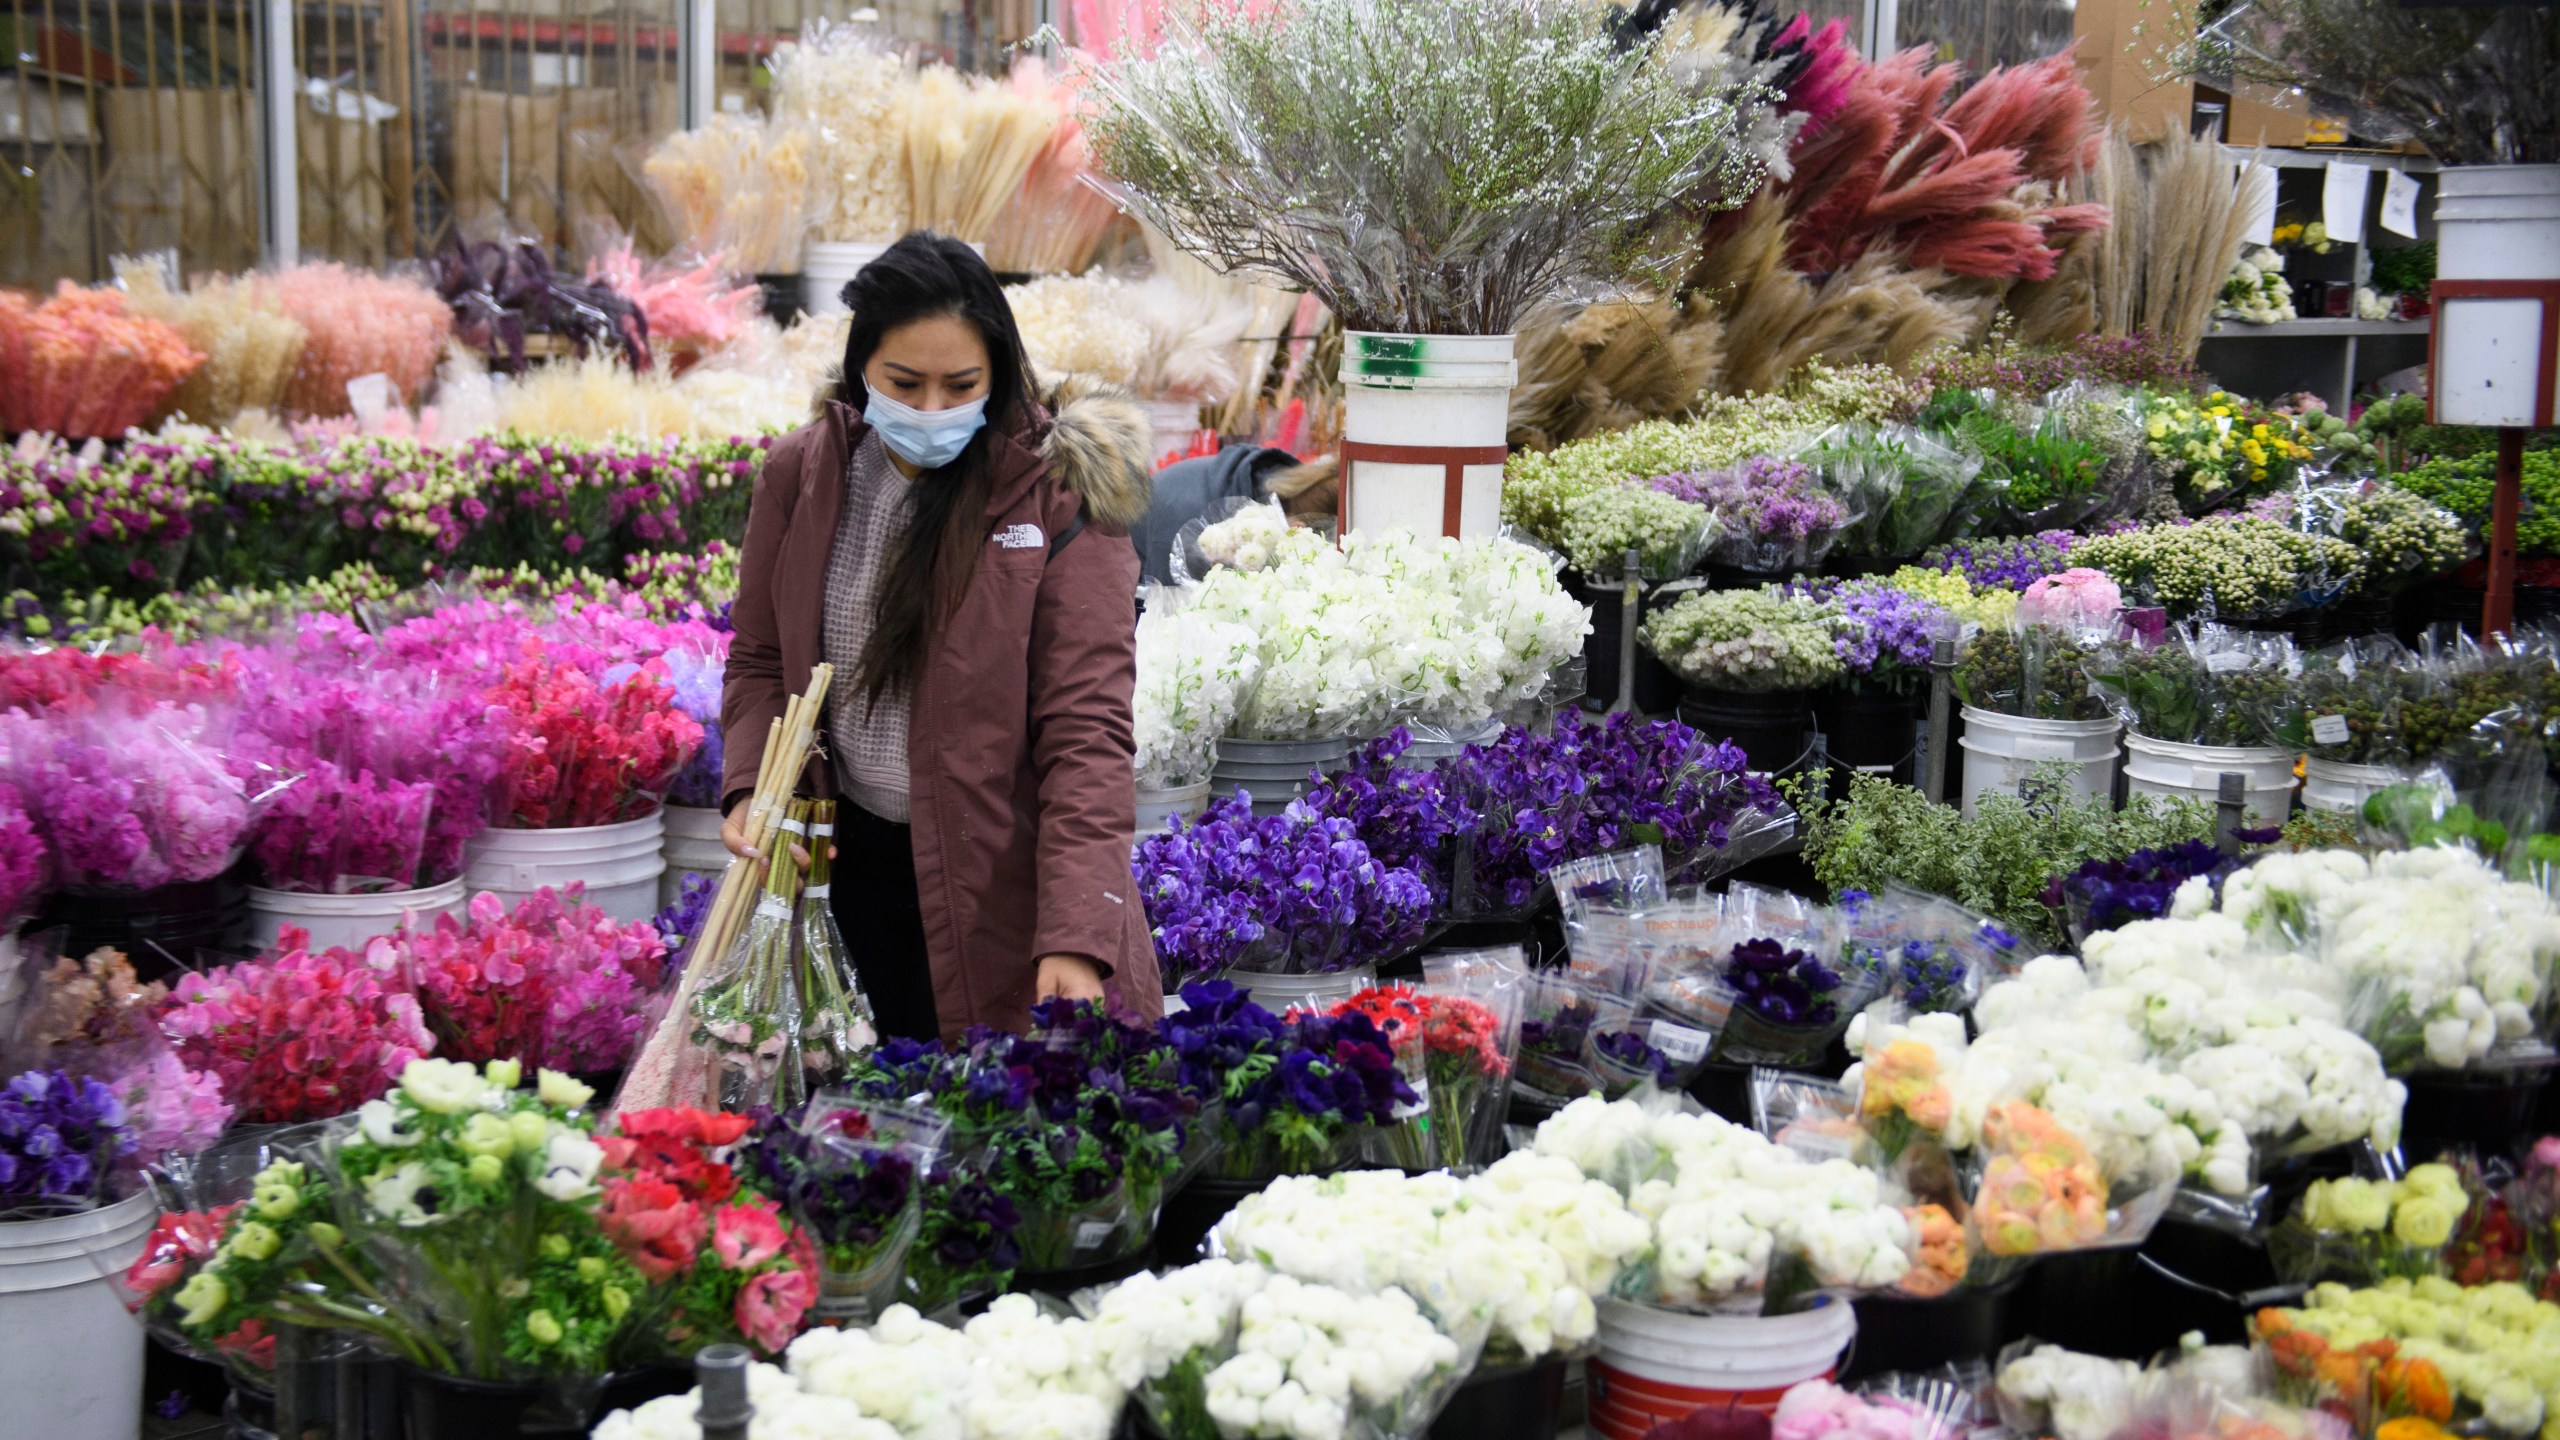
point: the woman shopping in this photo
(960, 554)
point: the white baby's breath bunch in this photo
(1193, 673)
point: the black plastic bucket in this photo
(1770, 727)
(174, 927)
(1518, 1402)
(1657, 689)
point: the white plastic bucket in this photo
(2494, 222)
(692, 848)
(1155, 807)
(2332, 785)
(2001, 750)
(1432, 402)
(619, 864)
(824, 267)
(72, 1364)
(1658, 1365)
(1280, 994)
(350, 920)
(2194, 772)
(1174, 423)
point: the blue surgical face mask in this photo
(926, 439)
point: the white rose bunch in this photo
(1193, 673)
(1246, 540)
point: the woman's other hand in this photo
(1068, 977)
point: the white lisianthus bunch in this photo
(1392, 628)
(1247, 539)
(783, 1412)
(1193, 673)
(2068, 1395)
(1310, 1357)
(1725, 1201)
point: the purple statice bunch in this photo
(1634, 1057)
(22, 859)
(2012, 563)
(61, 1137)
(1783, 986)
(1890, 633)
(1298, 890)
(1406, 815)
(2110, 894)
(696, 675)
(681, 921)
(1769, 497)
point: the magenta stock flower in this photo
(23, 859)
(132, 796)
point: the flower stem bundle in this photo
(739, 188)
(969, 144)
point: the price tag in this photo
(2329, 729)
(1679, 1043)
(2400, 203)
(1175, 1005)
(2342, 197)
(1092, 1233)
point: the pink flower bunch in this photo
(1820, 1410)
(297, 1034)
(584, 752)
(22, 859)
(134, 796)
(81, 364)
(555, 982)
(359, 323)
(692, 309)
(72, 681)
(2078, 599)
(172, 1109)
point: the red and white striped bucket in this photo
(1658, 1365)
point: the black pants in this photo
(874, 896)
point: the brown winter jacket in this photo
(1019, 752)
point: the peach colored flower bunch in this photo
(82, 364)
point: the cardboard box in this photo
(2262, 114)
(2123, 46)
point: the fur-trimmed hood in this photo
(1099, 442)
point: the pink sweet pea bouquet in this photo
(134, 795)
(297, 1034)
(554, 982)
(22, 860)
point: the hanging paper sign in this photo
(2400, 203)
(2342, 197)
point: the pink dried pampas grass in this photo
(692, 308)
(359, 324)
(82, 364)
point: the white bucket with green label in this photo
(1425, 421)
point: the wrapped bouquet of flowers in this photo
(2219, 450)
(297, 1034)
(1772, 515)
(2231, 567)
(1290, 893)
(2356, 1231)
(1748, 640)
(555, 982)
(1193, 673)
(851, 1173)
(1292, 1095)
(1910, 489)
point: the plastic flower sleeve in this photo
(1471, 1033)
(1811, 1116)
(1404, 1140)
(2040, 1190)
(1908, 487)
(745, 1034)
(1237, 533)
(852, 1172)
(1559, 1017)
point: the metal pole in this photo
(280, 169)
(2230, 810)
(700, 36)
(2498, 606)
(1942, 667)
(288, 1380)
(1630, 609)
(721, 1371)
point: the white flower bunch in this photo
(1526, 1246)
(1725, 1200)
(1079, 325)
(1309, 1357)
(1147, 1324)
(1193, 672)
(783, 1412)
(1389, 628)
(905, 1371)
(2069, 1395)
(2255, 291)
(1247, 539)
(1749, 639)
(1035, 1376)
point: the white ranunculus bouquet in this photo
(1193, 673)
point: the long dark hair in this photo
(920, 278)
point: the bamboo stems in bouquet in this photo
(669, 1070)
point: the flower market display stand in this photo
(1867, 728)
(1155, 807)
(349, 920)
(449, 1407)
(2001, 750)
(1274, 772)
(692, 848)
(72, 1367)
(1769, 725)
(1909, 1333)
(1280, 994)
(1425, 431)
(1657, 1365)
(619, 864)
(2335, 785)
(2193, 772)
(1509, 1402)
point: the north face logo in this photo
(1021, 537)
